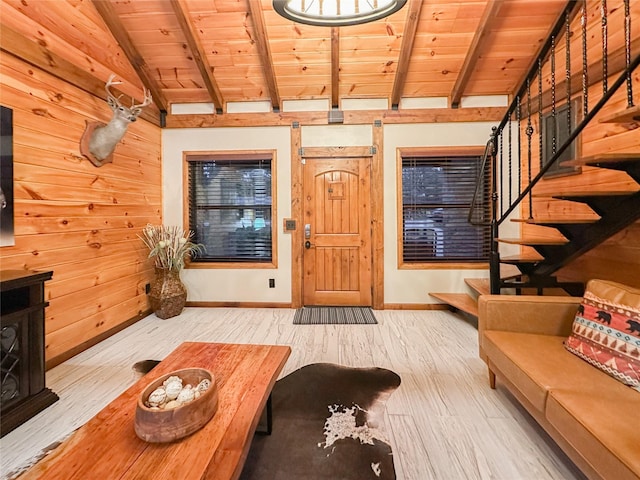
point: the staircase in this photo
(565, 237)
(613, 211)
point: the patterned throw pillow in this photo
(606, 330)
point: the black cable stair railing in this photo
(494, 157)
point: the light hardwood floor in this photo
(444, 422)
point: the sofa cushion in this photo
(600, 422)
(606, 330)
(536, 363)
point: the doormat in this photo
(334, 315)
(328, 424)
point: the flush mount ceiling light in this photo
(336, 13)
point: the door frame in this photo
(375, 153)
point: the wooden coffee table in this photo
(107, 447)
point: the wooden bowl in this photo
(153, 425)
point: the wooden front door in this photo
(337, 231)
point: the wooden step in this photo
(459, 301)
(590, 193)
(602, 159)
(480, 285)
(594, 193)
(509, 271)
(628, 115)
(533, 241)
(522, 258)
(550, 221)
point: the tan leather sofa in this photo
(593, 417)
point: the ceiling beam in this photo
(410, 28)
(198, 53)
(262, 42)
(110, 17)
(477, 44)
(37, 55)
(335, 67)
(351, 117)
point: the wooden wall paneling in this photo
(83, 43)
(71, 278)
(73, 308)
(42, 256)
(616, 260)
(66, 342)
(73, 218)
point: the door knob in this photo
(307, 244)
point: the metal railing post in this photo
(494, 255)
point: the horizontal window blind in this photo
(436, 196)
(230, 208)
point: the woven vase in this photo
(168, 294)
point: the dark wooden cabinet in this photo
(22, 368)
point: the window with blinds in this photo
(230, 207)
(436, 196)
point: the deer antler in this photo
(146, 101)
(110, 96)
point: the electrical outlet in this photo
(147, 288)
(272, 283)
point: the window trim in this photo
(576, 117)
(462, 151)
(207, 155)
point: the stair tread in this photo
(630, 114)
(596, 193)
(534, 283)
(461, 301)
(480, 285)
(557, 220)
(533, 241)
(603, 158)
(589, 193)
(522, 258)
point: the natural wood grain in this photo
(337, 207)
(335, 67)
(532, 241)
(73, 218)
(106, 448)
(460, 301)
(351, 117)
(479, 285)
(406, 51)
(117, 29)
(199, 55)
(377, 207)
(486, 24)
(628, 115)
(264, 52)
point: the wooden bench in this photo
(107, 446)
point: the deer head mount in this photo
(99, 140)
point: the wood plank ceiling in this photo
(221, 51)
